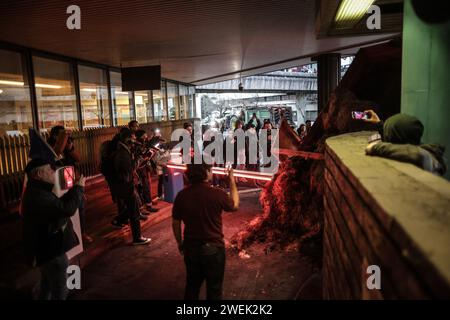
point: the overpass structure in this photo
(273, 82)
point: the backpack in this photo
(106, 159)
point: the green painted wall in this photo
(426, 77)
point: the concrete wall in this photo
(426, 76)
(375, 216)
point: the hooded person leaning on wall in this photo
(401, 137)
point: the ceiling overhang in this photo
(197, 42)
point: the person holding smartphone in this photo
(401, 136)
(199, 207)
(47, 227)
(62, 142)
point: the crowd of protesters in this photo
(244, 157)
(127, 161)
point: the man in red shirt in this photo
(199, 206)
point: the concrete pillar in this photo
(426, 76)
(328, 74)
(301, 100)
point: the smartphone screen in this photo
(359, 115)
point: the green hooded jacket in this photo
(401, 135)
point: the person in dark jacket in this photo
(124, 186)
(401, 137)
(133, 125)
(48, 230)
(255, 121)
(143, 154)
(62, 142)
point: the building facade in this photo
(41, 90)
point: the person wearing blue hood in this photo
(401, 137)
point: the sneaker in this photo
(144, 212)
(141, 241)
(153, 210)
(142, 217)
(118, 224)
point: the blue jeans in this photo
(53, 285)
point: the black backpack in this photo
(107, 149)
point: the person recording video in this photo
(124, 186)
(48, 230)
(199, 207)
(144, 152)
(401, 136)
(62, 142)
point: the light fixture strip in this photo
(12, 83)
(351, 11)
(38, 85)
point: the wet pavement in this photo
(157, 271)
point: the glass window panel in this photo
(15, 105)
(122, 101)
(144, 110)
(191, 102)
(159, 105)
(172, 101)
(94, 97)
(55, 93)
(184, 101)
(346, 61)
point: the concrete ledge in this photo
(389, 212)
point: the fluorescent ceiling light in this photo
(350, 12)
(47, 86)
(1, 91)
(121, 92)
(89, 90)
(21, 84)
(12, 83)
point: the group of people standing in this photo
(244, 157)
(47, 227)
(126, 162)
(303, 129)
